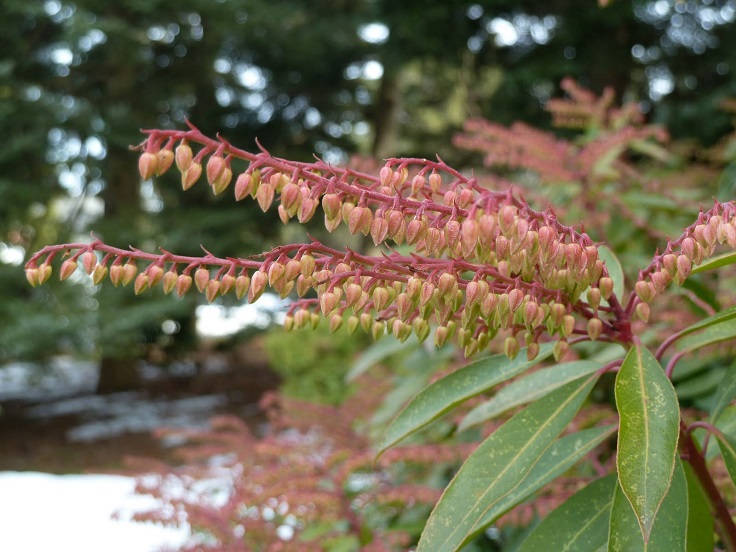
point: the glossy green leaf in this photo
(724, 394)
(375, 354)
(719, 331)
(498, 465)
(580, 523)
(722, 316)
(700, 524)
(452, 390)
(669, 532)
(727, 445)
(557, 459)
(527, 389)
(715, 262)
(648, 432)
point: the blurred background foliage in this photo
(331, 77)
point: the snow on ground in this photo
(42, 512)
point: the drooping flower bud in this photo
(212, 290)
(221, 184)
(183, 156)
(141, 283)
(147, 164)
(276, 273)
(441, 335)
(332, 206)
(99, 274)
(264, 196)
(511, 347)
(155, 273)
(32, 276)
(353, 323)
(89, 261)
(435, 182)
(44, 273)
(568, 325)
(416, 230)
(201, 277)
(595, 328)
(335, 322)
(381, 298)
(605, 284)
(257, 285)
(378, 329)
(447, 285)
(643, 311)
(183, 283)
(470, 233)
(242, 284)
(129, 271)
(169, 281)
(516, 297)
(645, 291)
(165, 160)
(379, 230)
(116, 274)
(421, 328)
(560, 349)
(243, 186)
(215, 168)
(190, 176)
(227, 283)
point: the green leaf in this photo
(580, 523)
(648, 432)
(448, 392)
(498, 465)
(669, 532)
(727, 445)
(615, 270)
(724, 394)
(700, 524)
(556, 460)
(527, 389)
(718, 331)
(722, 316)
(715, 262)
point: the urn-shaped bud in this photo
(243, 186)
(190, 176)
(155, 273)
(215, 168)
(378, 329)
(89, 261)
(165, 160)
(141, 283)
(332, 206)
(147, 164)
(643, 311)
(201, 277)
(242, 284)
(183, 156)
(447, 285)
(381, 298)
(169, 281)
(212, 290)
(289, 322)
(435, 182)
(416, 230)
(44, 273)
(470, 233)
(183, 283)
(129, 271)
(264, 196)
(99, 274)
(684, 266)
(560, 349)
(116, 274)
(568, 325)
(516, 297)
(32, 275)
(441, 335)
(335, 322)
(421, 328)
(221, 184)
(511, 347)
(257, 285)
(595, 328)
(353, 323)
(645, 291)
(605, 284)
(227, 283)
(276, 273)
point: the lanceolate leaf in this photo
(727, 444)
(716, 262)
(720, 330)
(669, 533)
(580, 523)
(722, 316)
(527, 389)
(700, 524)
(445, 394)
(557, 459)
(498, 465)
(648, 432)
(724, 394)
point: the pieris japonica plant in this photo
(462, 263)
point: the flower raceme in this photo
(480, 261)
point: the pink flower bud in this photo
(450, 198)
(453, 232)
(594, 298)
(396, 225)
(516, 297)
(366, 322)
(417, 184)
(141, 283)
(215, 168)
(335, 322)
(116, 274)
(379, 230)
(290, 197)
(302, 318)
(605, 284)
(381, 298)
(306, 209)
(293, 269)
(427, 293)
(447, 285)
(506, 217)
(242, 284)
(257, 285)
(568, 325)
(332, 206)
(165, 160)
(212, 290)
(353, 322)
(488, 305)
(289, 322)
(155, 273)
(470, 232)
(441, 335)
(503, 248)
(660, 280)
(435, 182)
(532, 351)
(465, 198)
(276, 272)
(730, 234)
(645, 291)
(32, 276)
(183, 283)
(416, 230)
(221, 184)
(385, 175)
(689, 248)
(243, 186)
(183, 156)
(595, 327)
(147, 164)
(355, 220)
(487, 224)
(327, 302)
(129, 271)
(169, 281)
(307, 264)
(201, 277)
(560, 349)
(404, 306)
(264, 196)
(684, 266)
(190, 176)
(353, 293)
(531, 309)
(89, 261)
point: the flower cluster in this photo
(482, 261)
